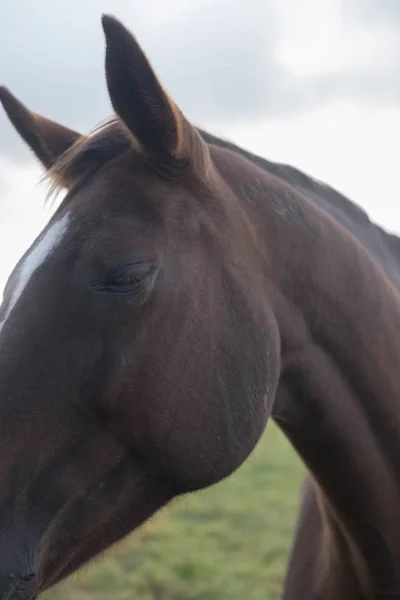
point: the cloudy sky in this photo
(313, 83)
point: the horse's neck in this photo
(338, 398)
(338, 395)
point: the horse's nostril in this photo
(26, 577)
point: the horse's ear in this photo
(47, 139)
(139, 100)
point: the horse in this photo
(184, 293)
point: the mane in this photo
(108, 140)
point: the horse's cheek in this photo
(207, 428)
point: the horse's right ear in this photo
(47, 139)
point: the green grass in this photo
(230, 541)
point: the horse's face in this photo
(135, 364)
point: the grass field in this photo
(228, 542)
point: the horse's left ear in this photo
(138, 98)
(48, 139)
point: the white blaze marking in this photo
(37, 256)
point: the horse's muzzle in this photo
(18, 587)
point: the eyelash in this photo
(120, 282)
(128, 280)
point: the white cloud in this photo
(315, 41)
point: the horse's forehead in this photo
(40, 251)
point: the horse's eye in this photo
(125, 279)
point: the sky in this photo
(312, 83)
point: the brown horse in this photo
(182, 294)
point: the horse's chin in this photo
(20, 595)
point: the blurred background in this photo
(313, 83)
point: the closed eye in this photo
(128, 278)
